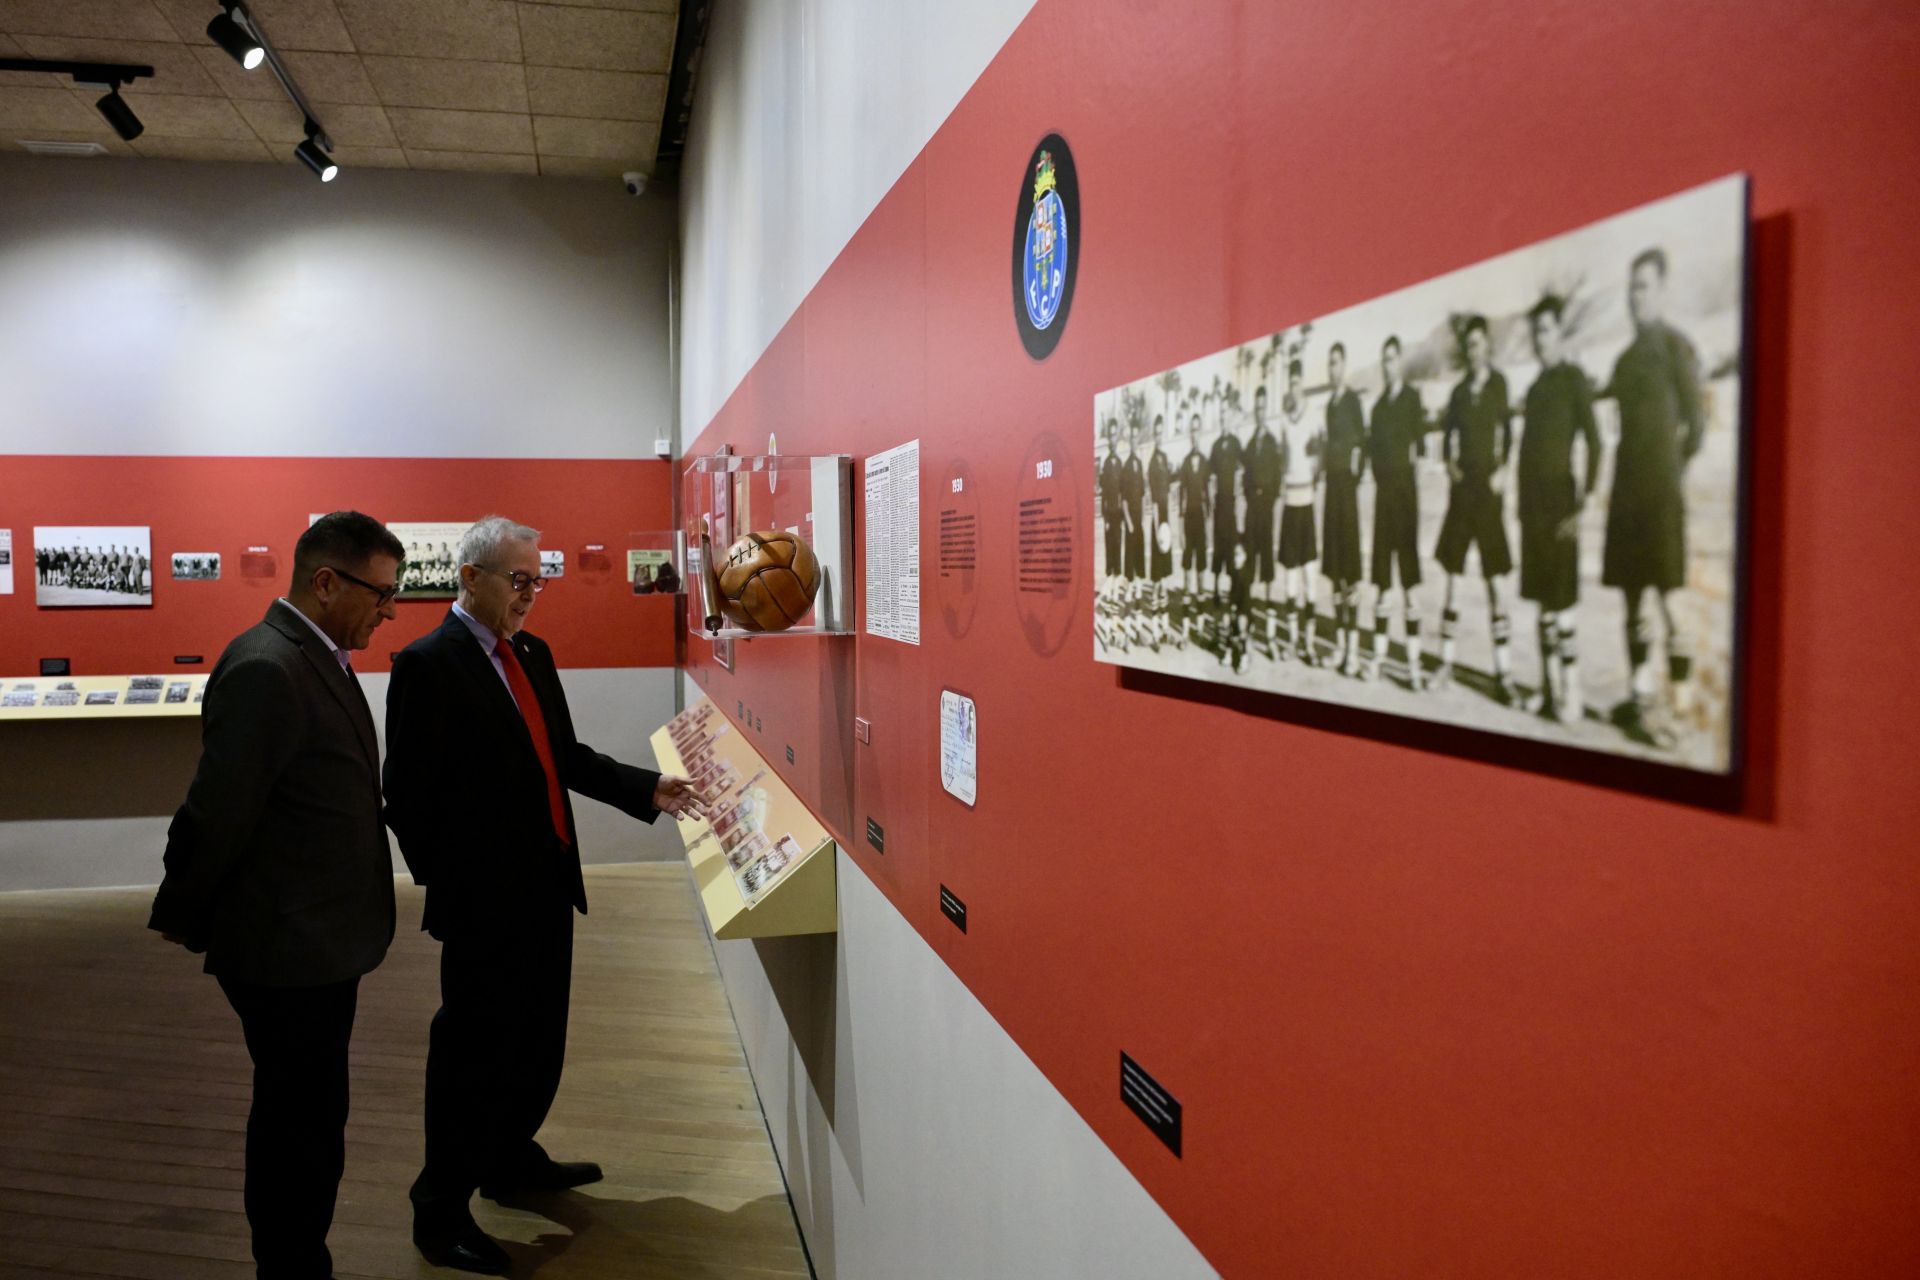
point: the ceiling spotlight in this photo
(120, 116)
(243, 48)
(317, 160)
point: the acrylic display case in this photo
(726, 496)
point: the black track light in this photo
(322, 164)
(243, 48)
(120, 116)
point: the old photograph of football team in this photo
(1506, 498)
(88, 566)
(431, 570)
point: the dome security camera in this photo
(636, 183)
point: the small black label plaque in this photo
(955, 909)
(55, 667)
(188, 659)
(1154, 1105)
(789, 755)
(875, 836)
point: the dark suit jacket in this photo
(466, 793)
(278, 864)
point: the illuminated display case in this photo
(728, 495)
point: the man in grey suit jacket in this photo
(278, 868)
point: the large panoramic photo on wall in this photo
(1507, 498)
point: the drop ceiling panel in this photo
(569, 88)
(604, 139)
(100, 19)
(31, 108)
(448, 84)
(605, 95)
(202, 149)
(486, 30)
(348, 126)
(474, 161)
(601, 39)
(483, 131)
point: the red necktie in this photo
(537, 727)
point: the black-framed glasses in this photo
(383, 596)
(522, 582)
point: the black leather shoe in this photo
(462, 1246)
(554, 1175)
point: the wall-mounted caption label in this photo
(954, 909)
(1154, 1105)
(875, 836)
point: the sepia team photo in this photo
(1505, 498)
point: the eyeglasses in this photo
(522, 582)
(383, 596)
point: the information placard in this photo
(893, 543)
(959, 746)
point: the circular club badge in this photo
(1046, 246)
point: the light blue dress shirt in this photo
(489, 643)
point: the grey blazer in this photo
(277, 865)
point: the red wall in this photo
(228, 504)
(1427, 1015)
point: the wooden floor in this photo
(124, 1085)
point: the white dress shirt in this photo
(342, 656)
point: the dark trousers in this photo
(297, 1127)
(494, 1056)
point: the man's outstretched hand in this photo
(679, 797)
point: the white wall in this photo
(153, 307)
(917, 1139)
(806, 113)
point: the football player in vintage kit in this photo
(1133, 491)
(1262, 491)
(1223, 463)
(1303, 444)
(1656, 384)
(1476, 440)
(1346, 435)
(1159, 532)
(1194, 473)
(1559, 413)
(1393, 447)
(1110, 519)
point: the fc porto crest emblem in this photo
(1046, 246)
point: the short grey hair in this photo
(481, 544)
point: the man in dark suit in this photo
(278, 868)
(481, 754)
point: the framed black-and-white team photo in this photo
(1507, 498)
(431, 570)
(87, 566)
(196, 566)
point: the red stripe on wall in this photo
(1426, 1016)
(229, 504)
